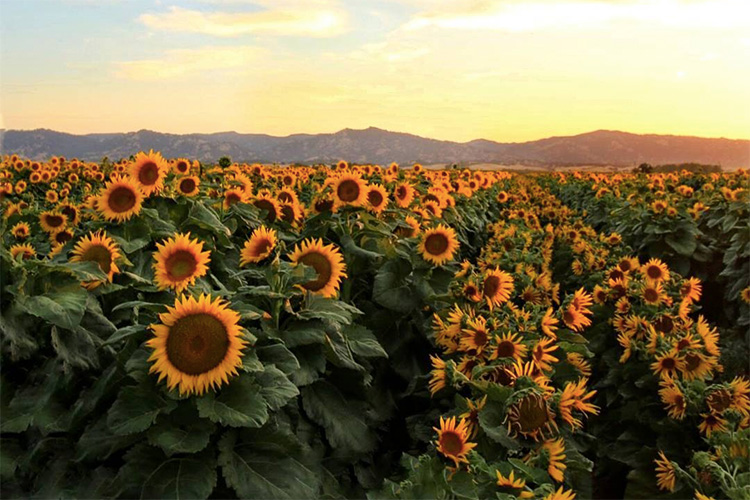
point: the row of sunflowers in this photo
(176, 329)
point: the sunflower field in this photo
(171, 329)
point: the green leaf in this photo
(304, 333)
(136, 409)
(276, 388)
(683, 243)
(238, 404)
(491, 419)
(345, 426)
(182, 432)
(390, 288)
(265, 469)
(76, 347)
(98, 442)
(328, 309)
(363, 342)
(64, 307)
(278, 355)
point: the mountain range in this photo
(374, 145)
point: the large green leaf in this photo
(491, 419)
(344, 424)
(276, 388)
(265, 469)
(363, 342)
(136, 409)
(64, 307)
(76, 347)
(182, 431)
(238, 404)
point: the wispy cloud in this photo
(515, 16)
(316, 18)
(184, 62)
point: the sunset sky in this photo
(506, 70)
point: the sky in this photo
(504, 70)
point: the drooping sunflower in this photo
(438, 244)
(179, 261)
(655, 270)
(349, 189)
(149, 170)
(497, 287)
(52, 221)
(120, 199)
(437, 374)
(740, 389)
(745, 295)
(513, 486)
(188, 186)
(24, 249)
(259, 246)
(198, 344)
(665, 473)
(453, 440)
(549, 324)
(554, 450)
(531, 417)
(327, 262)
(673, 398)
(100, 248)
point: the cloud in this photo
(316, 18)
(515, 16)
(187, 62)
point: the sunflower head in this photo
(179, 261)
(439, 244)
(270, 205)
(198, 344)
(259, 246)
(100, 248)
(148, 171)
(349, 189)
(327, 262)
(189, 185)
(120, 199)
(453, 440)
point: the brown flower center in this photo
(269, 207)
(451, 443)
(375, 198)
(100, 255)
(187, 185)
(348, 190)
(148, 174)
(181, 265)
(121, 199)
(436, 244)
(197, 343)
(322, 266)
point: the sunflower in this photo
(179, 261)
(149, 170)
(52, 222)
(561, 494)
(700, 496)
(667, 364)
(745, 295)
(182, 166)
(575, 319)
(665, 473)
(655, 270)
(696, 366)
(555, 453)
(120, 199)
(437, 374)
(471, 292)
(509, 346)
(453, 440)
(198, 344)
(476, 337)
(653, 293)
(531, 417)
(411, 231)
(232, 196)
(21, 231)
(512, 486)
(259, 246)
(327, 262)
(540, 354)
(61, 237)
(291, 213)
(740, 389)
(349, 189)
(188, 186)
(377, 198)
(497, 287)
(549, 324)
(25, 250)
(269, 204)
(100, 248)
(673, 398)
(576, 397)
(438, 244)
(404, 194)
(691, 289)
(712, 422)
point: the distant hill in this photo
(374, 145)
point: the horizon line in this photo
(4, 130)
